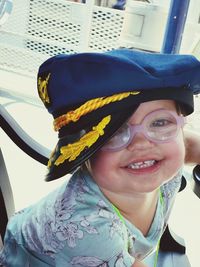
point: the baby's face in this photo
(143, 165)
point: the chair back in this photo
(7, 207)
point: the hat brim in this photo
(57, 171)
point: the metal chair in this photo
(196, 180)
(7, 206)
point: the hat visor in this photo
(56, 171)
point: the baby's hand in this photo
(139, 264)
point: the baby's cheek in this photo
(176, 155)
(100, 162)
(173, 163)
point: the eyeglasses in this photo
(159, 126)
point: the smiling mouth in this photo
(142, 164)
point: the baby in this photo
(120, 118)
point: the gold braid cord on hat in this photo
(89, 106)
(72, 151)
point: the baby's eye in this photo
(161, 123)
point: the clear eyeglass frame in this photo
(159, 126)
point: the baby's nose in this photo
(139, 141)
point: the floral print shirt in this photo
(76, 226)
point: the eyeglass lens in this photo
(158, 126)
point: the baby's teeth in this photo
(150, 162)
(142, 164)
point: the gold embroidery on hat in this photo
(93, 104)
(72, 151)
(51, 158)
(42, 89)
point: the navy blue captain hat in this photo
(90, 96)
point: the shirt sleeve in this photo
(16, 255)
